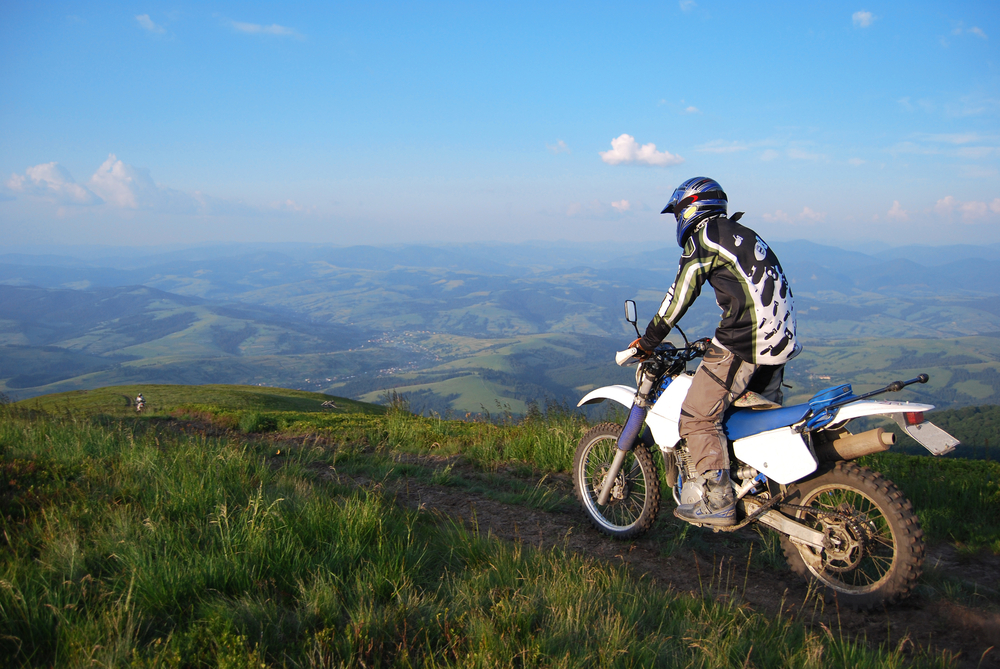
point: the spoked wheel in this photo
(635, 496)
(878, 548)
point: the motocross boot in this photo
(717, 506)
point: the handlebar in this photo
(666, 352)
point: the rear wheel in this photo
(878, 548)
(635, 495)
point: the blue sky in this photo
(148, 123)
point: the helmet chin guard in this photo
(695, 199)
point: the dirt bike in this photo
(842, 525)
(140, 405)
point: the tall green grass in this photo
(127, 545)
(957, 501)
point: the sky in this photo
(146, 123)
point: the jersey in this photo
(758, 314)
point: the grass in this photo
(126, 543)
(957, 501)
(117, 400)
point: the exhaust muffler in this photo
(847, 446)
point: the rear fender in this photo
(929, 435)
(875, 408)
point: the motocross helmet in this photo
(693, 201)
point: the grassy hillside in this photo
(963, 371)
(57, 340)
(118, 400)
(134, 542)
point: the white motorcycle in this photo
(843, 525)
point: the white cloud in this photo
(897, 213)
(128, 187)
(857, 161)
(970, 212)
(558, 147)
(769, 155)
(945, 205)
(624, 149)
(118, 185)
(952, 138)
(692, 110)
(720, 146)
(687, 5)
(52, 181)
(606, 211)
(595, 208)
(812, 216)
(960, 29)
(777, 216)
(148, 24)
(125, 186)
(937, 144)
(291, 206)
(799, 154)
(258, 29)
(975, 152)
(862, 19)
(807, 215)
(979, 172)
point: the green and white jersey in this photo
(758, 315)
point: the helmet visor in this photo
(674, 199)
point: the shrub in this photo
(254, 421)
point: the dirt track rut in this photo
(720, 566)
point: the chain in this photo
(848, 520)
(766, 506)
(776, 502)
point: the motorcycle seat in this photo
(739, 423)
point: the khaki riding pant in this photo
(720, 379)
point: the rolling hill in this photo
(464, 327)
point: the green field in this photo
(963, 371)
(135, 541)
(162, 399)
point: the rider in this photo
(754, 340)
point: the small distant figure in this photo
(329, 405)
(140, 403)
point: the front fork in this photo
(626, 442)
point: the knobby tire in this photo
(633, 512)
(883, 551)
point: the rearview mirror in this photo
(630, 312)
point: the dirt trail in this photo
(720, 566)
(708, 563)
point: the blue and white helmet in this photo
(694, 200)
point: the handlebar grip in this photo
(626, 357)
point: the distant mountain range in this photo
(461, 326)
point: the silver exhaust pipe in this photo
(847, 446)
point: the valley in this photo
(467, 329)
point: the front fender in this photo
(624, 395)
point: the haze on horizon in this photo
(376, 123)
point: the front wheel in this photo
(878, 547)
(635, 495)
